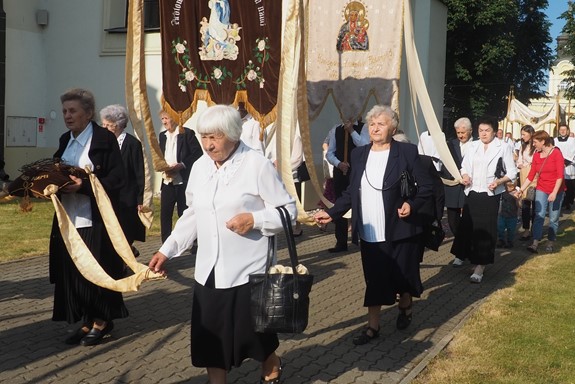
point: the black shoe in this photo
(95, 336)
(366, 336)
(404, 318)
(338, 248)
(76, 337)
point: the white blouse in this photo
(78, 205)
(246, 182)
(372, 208)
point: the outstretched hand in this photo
(157, 263)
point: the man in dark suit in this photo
(339, 155)
(181, 149)
(454, 196)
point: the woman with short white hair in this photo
(131, 198)
(232, 200)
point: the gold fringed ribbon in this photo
(419, 90)
(81, 254)
(139, 107)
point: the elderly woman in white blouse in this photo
(231, 198)
(485, 169)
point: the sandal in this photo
(532, 248)
(404, 318)
(476, 278)
(275, 380)
(365, 337)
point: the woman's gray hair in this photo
(379, 110)
(85, 97)
(463, 122)
(116, 114)
(223, 119)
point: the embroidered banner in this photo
(223, 52)
(354, 51)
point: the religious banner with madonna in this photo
(353, 53)
(223, 52)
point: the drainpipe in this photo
(2, 83)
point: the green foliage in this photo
(568, 49)
(493, 45)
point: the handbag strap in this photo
(290, 240)
(542, 165)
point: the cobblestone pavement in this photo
(152, 345)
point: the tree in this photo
(493, 45)
(567, 47)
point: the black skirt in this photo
(222, 334)
(389, 269)
(477, 232)
(75, 298)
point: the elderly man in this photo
(345, 138)
(454, 196)
(566, 144)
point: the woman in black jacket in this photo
(75, 298)
(386, 222)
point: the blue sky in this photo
(555, 9)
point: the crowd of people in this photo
(226, 191)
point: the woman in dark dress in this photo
(231, 212)
(131, 197)
(75, 298)
(387, 223)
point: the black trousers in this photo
(340, 183)
(170, 196)
(527, 214)
(453, 219)
(569, 193)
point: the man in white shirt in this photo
(338, 155)
(180, 151)
(427, 147)
(566, 144)
(251, 131)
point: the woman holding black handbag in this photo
(386, 221)
(232, 200)
(485, 169)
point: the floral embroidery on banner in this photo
(219, 74)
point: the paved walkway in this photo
(152, 345)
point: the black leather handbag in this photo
(280, 301)
(433, 236)
(408, 185)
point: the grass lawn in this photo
(521, 334)
(27, 234)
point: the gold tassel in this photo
(26, 204)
